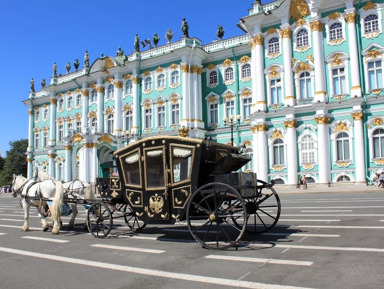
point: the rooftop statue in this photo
(155, 39)
(86, 59)
(76, 64)
(32, 83)
(120, 57)
(137, 43)
(68, 67)
(184, 28)
(169, 36)
(220, 32)
(43, 83)
(54, 69)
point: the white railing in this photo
(70, 76)
(228, 43)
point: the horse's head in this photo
(15, 187)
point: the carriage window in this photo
(181, 164)
(131, 167)
(154, 168)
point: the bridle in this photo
(19, 190)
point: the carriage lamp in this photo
(232, 124)
(127, 135)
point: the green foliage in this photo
(15, 162)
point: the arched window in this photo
(161, 116)
(37, 136)
(37, 115)
(378, 143)
(60, 104)
(161, 81)
(128, 87)
(305, 85)
(110, 121)
(110, 91)
(336, 31)
(302, 38)
(175, 113)
(278, 152)
(45, 114)
(59, 173)
(213, 77)
(228, 74)
(69, 102)
(342, 147)
(94, 95)
(94, 124)
(307, 150)
(45, 139)
(371, 23)
(273, 45)
(249, 166)
(343, 178)
(148, 83)
(60, 132)
(128, 120)
(175, 77)
(276, 93)
(246, 71)
(78, 100)
(78, 126)
(375, 74)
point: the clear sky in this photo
(36, 33)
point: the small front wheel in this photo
(99, 220)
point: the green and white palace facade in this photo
(301, 90)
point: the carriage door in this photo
(180, 182)
(156, 199)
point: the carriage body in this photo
(165, 179)
(158, 175)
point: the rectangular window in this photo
(276, 94)
(214, 112)
(247, 107)
(148, 118)
(230, 106)
(375, 75)
(161, 116)
(175, 113)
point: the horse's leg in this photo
(26, 206)
(74, 214)
(56, 225)
(43, 220)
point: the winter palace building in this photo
(301, 90)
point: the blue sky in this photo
(36, 33)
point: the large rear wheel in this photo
(210, 214)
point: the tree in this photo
(15, 162)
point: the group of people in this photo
(379, 180)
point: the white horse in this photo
(39, 195)
(74, 190)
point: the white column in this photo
(353, 52)
(68, 163)
(318, 51)
(262, 147)
(118, 95)
(286, 35)
(186, 95)
(52, 120)
(136, 105)
(257, 67)
(31, 135)
(29, 166)
(85, 166)
(359, 146)
(85, 108)
(324, 158)
(51, 162)
(94, 163)
(100, 105)
(291, 151)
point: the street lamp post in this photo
(127, 136)
(232, 124)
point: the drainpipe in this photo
(238, 102)
(139, 123)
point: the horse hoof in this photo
(45, 229)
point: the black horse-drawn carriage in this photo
(166, 179)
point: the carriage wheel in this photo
(263, 212)
(132, 220)
(99, 220)
(210, 216)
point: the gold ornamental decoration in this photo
(53, 101)
(159, 69)
(301, 22)
(228, 96)
(105, 138)
(271, 30)
(184, 131)
(350, 17)
(92, 85)
(290, 123)
(77, 138)
(245, 59)
(227, 62)
(274, 72)
(85, 92)
(316, 26)
(100, 89)
(373, 53)
(369, 6)
(174, 66)
(257, 40)
(322, 120)
(211, 66)
(276, 134)
(127, 76)
(286, 33)
(357, 115)
(299, 9)
(118, 84)
(334, 16)
(147, 72)
(109, 79)
(246, 93)
(337, 60)
(212, 99)
(259, 127)
(108, 63)
(377, 121)
(135, 80)
(303, 67)
(184, 68)
(341, 127)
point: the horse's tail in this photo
(57, 202)
(88, 192)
